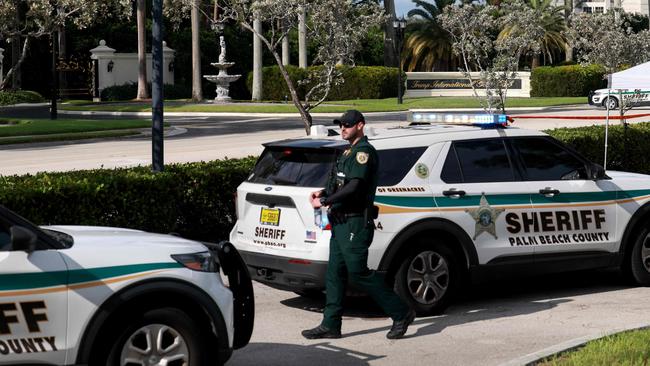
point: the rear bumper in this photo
(285, 273)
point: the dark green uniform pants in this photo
(349, 260)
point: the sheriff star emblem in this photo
(485, 217)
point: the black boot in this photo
(321, 332)
(399, 327)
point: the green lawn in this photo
(627, 348)
(28, 127)
(14, 131)
(364, 105)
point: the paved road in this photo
(497, 323)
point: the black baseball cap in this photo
(350, 118)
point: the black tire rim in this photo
(155, 344)
(427, 278)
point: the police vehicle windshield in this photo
(293, 167)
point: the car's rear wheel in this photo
(611, 102)
(640, 259)
(428, 278)
(164, 336)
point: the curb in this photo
(532, 359)
(279, 115)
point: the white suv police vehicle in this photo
(109, 296)
(455, 202)
(611, 98)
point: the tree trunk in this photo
(197, 93)
(15, 69)
(302, 40)
(63, 54)
(390, 55)
(142, 51)
(285, 50)
(535, 62)
(16, 79)
(257, 61)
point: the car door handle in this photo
(549, 192)
(453, 193)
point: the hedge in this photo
(129, 91)
(20, 96)
(196, 199)
(360, 82)
(566, 81)
(627, 149)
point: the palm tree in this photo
(552, 17)
(428, 47)
(197, 93)
(143, 93)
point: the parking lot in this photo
(495, 323)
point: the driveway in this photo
(496, 323)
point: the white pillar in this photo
(302, 40)
(257, 62)
(106, 63)
(2, 50)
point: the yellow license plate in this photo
(270, 216)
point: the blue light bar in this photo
(482, 120)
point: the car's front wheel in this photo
(428, 278)
(610, 103)
(640, 259)
(164, 336)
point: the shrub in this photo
(627, 149)
(20, 96)
(566, 81)
(360, 82)
(194, 200)
(129, 91)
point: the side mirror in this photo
(22, 239)
(597, 172)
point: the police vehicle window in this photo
(5, 239)
(395, 163)
(294, 167)
(545, 160)
(451, 170)
(484, 161)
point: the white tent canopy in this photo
(637, 77)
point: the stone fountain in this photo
(222, 79)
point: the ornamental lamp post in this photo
(399, 25)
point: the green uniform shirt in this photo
(360, 161)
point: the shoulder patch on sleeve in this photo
(362, 157)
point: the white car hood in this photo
(99, 246)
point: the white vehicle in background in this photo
(611, 98)
(82, 295)
(631, 86)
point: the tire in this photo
(613, 103)
(178, 334)
(433, 266)
(639, 264)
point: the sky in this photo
(402, 7)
